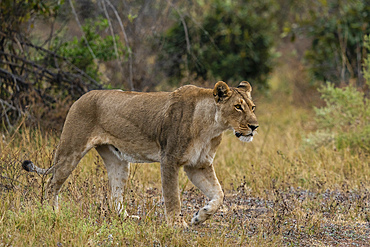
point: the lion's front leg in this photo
(205, 179)
(171, 195)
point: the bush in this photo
(233, 42)
(366, 67)
(78, 53)
(336, 29)
(39, 78)
(345, 120)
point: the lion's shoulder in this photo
(191, 93)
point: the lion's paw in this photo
(202, 215)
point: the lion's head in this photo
(237, 109)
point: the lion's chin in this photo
(248, 138)
(244, 138)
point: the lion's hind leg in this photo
(205, 179)
(118, 171)
(64, 163)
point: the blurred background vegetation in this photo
(304, 180)
(51, 52)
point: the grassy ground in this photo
(277, 193)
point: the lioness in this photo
(178, 129)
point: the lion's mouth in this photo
(245, 138)
(238, 134)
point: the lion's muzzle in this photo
(249, 136)
(245, 138)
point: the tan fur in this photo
(178, 129)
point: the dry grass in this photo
(277, 193)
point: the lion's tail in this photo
(30, 167)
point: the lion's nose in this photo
(252, 127)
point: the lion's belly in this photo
(140, 158)
(135, 157)
(130, 150)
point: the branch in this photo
(14, 77)
(127, 44)
(188, 46)
(83, 33)
(25, 61)
(64, 59)
(110, 28)
(5, 113)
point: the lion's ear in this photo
(221, 91)
(245, 86)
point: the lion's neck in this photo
(207, 118)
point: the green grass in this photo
(278, 192)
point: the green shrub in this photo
(366, 68)
(233, 42)
(41, 72)
(78, 53)
(345, 119)
(336, 29)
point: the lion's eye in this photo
(238, 107)
(253, 108)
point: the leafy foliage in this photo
(102, 47)
(14, 13)
(337, 29)
(233, 43)
(366, 66)
(345, 118)
(39, 79)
